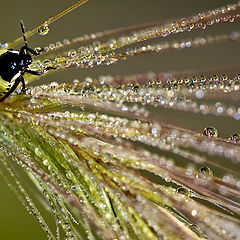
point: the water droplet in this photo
(60, 61)
(72, 53)
(210, 131)
(3, 45)
(235, 137)
(199, 94)
(205, 170)
(205, 173)
(45, 162)
(38, 49)
(87, 89)
(135, 88)
(184, 22)
(183, 190)
(38, 152)
(68, 176)
(43, 30)
(47, 63)
(66, 41)
(58, 44)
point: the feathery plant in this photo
(102, 160)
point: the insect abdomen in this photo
(8, 65)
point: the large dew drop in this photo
(210, 131)
(43, 30)
(205, 173)
(184, 191)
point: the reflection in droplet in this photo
(43, 30)
(87, 89)
(205, 173)
(3, 45)
(183, 190)
(210, 131)
(235, 137)
(46, 162)
(38, 152)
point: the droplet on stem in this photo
(205, 173)
(184, 191)
(210, 131)
(235, 137)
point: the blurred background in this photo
(99, 15)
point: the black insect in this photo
(13, 65)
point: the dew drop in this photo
(210, 131)
(68, 176)
(38, 49)
(135, 88)
(183, 190)
(45, 162)
(205, 173)
(200, 94)
(59, 61)
(87, 89)
(75, 81)
(38, 152)
(3, 45)
(47, 63)
(43, 30)
(72, 53)
(235, 137)
(66, 41)
(205, 170)
(184, 23)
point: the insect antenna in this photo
(23, 32)
(50, 20)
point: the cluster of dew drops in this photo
(209, 131)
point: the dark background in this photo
(99, 15)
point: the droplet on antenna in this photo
(43, 30)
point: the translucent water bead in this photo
(210, 131)
(235, 137)
(43, 30)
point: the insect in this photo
(13, 65)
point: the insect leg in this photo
(39, 73)
(23, 84)
(14, 86)
(33, 72)
(26, 49)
